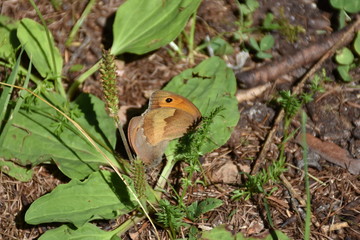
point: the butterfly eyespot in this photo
(169, 100)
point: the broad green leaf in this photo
(339, 4)
(352, 6)
(344, 56)
(357, 43)
(196, 209)
(245, 10)
(252, 4)
(65, 232)
(344, 73)
(20, 173)
(102, 196)
(8, 39)
(11, 169)
(249, 6)
(32, 140)
(209, 85)
(268, 23)
(263, 55)
(267, 43)
(45, 56)
(221, 47)
(141, 26)
(254, 44)
(222, 233)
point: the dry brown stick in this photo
(292, 191)
(297, 89)
(272, 70)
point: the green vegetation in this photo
(247, 8)
(255, 183)
(346, 60)
(345, 7)
(282, 24)
(266, 43)
(80, 136)
(40, 125)
(345, 57)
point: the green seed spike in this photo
(108, 80)
(139, 178)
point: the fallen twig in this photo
(272, 70)
(297, 89)
(250, 94)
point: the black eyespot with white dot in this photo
(168, 100)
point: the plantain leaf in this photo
(20, 173)
(65, 232)
(102, 196)
(209, 85)
(141, 26)
(8, 39)
(45, 56)
(32, 137)
(222, 233)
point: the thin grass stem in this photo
(307, 185)
(79, 22)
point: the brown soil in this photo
(333, 116)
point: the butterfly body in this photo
(168, 117)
